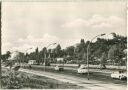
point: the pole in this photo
(45, 54)
(44, 61)
(26, 53)
(88, 60)
(88, 52)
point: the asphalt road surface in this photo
(95, 75)
(80, 81)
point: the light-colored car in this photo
(82, 69)
(59, 68)
(82, 66)
(32, 62)
(119, 75)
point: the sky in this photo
(37, 24)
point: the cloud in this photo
(76, 23)
(45, 38)
(95, 25)
(61, 23)
(6, 46)
(34, 42)
(96, 22)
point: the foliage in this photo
(12, 81)
(6, 56)
(112, 49)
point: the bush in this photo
(12, 81)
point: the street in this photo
(95, 75)
(81, 81)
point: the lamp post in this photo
(88, 52)
(45, 54)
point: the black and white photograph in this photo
(63, 44)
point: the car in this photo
(46, 64)
(59, 68)
(102, 66)
(82, 69)
(82, 66)
(16, 68)
(32, 62)
(119, 75)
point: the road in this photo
(99, 76)
(80, 81)
(103, 71)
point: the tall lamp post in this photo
(45, 54)
(88, 52)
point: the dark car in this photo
(59, 68)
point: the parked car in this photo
(46, 64)
(32, 62)
(59, 68)
(102, 66)
(16, 68)
(119, 75)
(82, 69)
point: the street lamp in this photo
(88, 51)
(45, 54)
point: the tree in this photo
(116, 53)
(111, 53)
(103, 60)
(42, 54)
(58, 52)
(19, 57)
(6, 56)
(70, 50)
(37, 55)
(114, 35)
(81, 49)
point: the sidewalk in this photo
(87, 84)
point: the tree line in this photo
(103, 51)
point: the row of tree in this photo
(104, 51)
